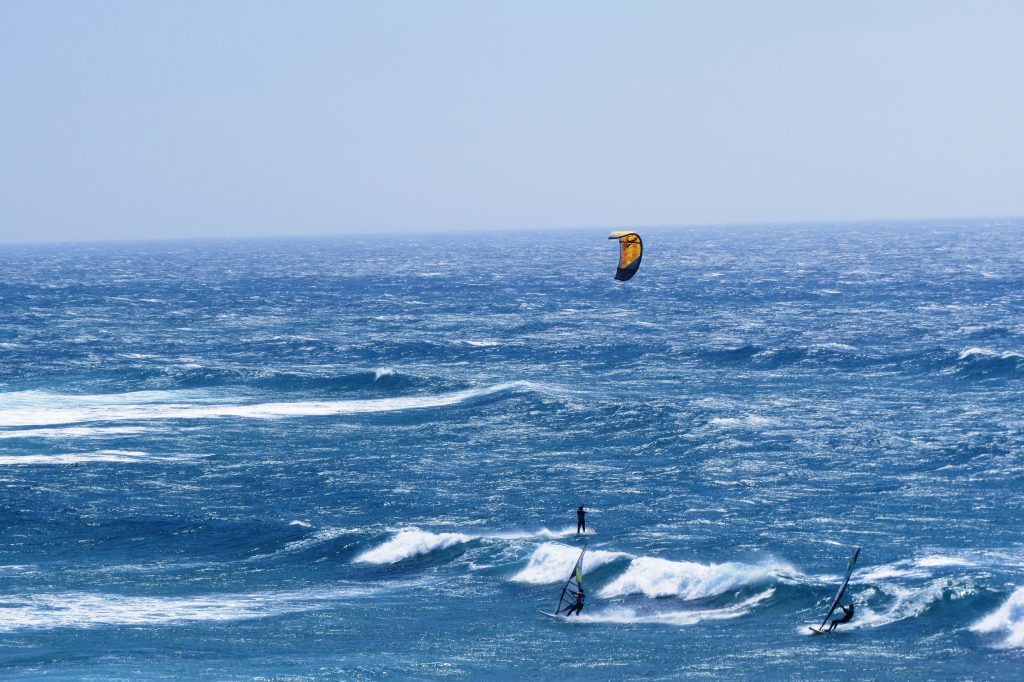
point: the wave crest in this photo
(987, 363)
(910, 602)
(552, 562)
(43, 409)
(1008, 618)
(410, 543)
(654, 577)
(685, 617)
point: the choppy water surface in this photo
(359, 458)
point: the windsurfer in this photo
(581, 520)
(578, 606)
(845, 618)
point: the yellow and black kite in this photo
(630, 251)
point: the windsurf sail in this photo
(631, 249)
(573, 584)
(842, 589)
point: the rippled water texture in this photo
(359, 458)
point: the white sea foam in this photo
(840, 347)
(382, 372)
(1008, 619)
(899, 569)
(976, 353)
(46, 409)
(75, 458)
(87, 609)
(552, 562)
(409, 543)
(76, 432)
(569, 531)
(682, 617)
(933, 561)
(908, 602)
(654, 577)
(752, 421)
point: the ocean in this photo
(360, 457)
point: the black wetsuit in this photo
(846, 617)
(581, 520)
(577, 607)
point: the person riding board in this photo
(846, 617)
(581, 520)
(578, 606)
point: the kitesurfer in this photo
(581, 520)
(578, 606)
(846, 617)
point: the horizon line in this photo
(483, 231)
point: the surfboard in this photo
(817, 631)
(551, 615)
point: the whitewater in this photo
(360, 458)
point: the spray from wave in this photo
(653, 577)
(552, 562)
(676, 617)
(1007, 619)
(39, 409)
(904, 602)
(410, 543)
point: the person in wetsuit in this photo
(846, 617)
(581, 520)
(578, 606)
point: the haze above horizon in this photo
(235, 119)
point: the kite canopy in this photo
(630, 251)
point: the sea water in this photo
(359, 457)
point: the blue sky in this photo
(216, 119)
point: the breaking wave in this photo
(653, 577)
(907, 602)
(681, 617)
(552, 562)
(1008, 619)
(33, 408)
(410, 543)
(988, 363)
